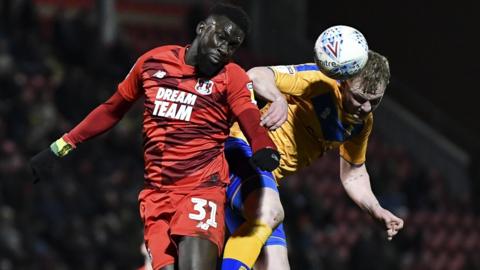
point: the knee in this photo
(272, 213)
(264, 205)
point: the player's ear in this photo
(344, 85)
(200, 28)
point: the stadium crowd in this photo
(52, 74)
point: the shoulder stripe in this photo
(306, 67)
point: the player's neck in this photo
(190, 55)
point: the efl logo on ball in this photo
(341, 52)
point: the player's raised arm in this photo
(101, 119)
(264, 86)
(356, 182)
(265, 154)
(98, 121)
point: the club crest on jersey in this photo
(204, 87)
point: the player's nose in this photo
(366, 107)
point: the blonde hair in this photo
(376, 73)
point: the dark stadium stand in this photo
(53, 72)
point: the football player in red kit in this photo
(192, 96)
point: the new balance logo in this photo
(202, 225)
(160, 74)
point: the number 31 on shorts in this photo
(200, 214)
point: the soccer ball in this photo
(341, 52)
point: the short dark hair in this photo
(235, 13)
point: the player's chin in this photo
(353, 118)
(209, 68)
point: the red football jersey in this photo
(186, 118)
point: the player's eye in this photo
(375, 102)
(359, 99)
(221, 37)
(234, 44)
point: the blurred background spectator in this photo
(59, 59)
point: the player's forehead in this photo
(222, 24)
(366, 91)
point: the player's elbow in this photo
(257, 74)
(253, 74)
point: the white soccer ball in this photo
(341, 52)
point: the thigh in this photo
(197, 254)
(156, 212)
(252, 194)
(247, 181)
(200, 214)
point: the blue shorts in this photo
(243, 180)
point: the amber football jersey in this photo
(186, 118)
(316, 121)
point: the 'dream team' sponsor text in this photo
(173, 103)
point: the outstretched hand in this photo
(276, 114)
(43, 165)
(392, 223)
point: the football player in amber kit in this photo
(321, 114)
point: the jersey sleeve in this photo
(355, 149)
(131, 87)
(243, 106)
(301, 80)
(100, 120)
